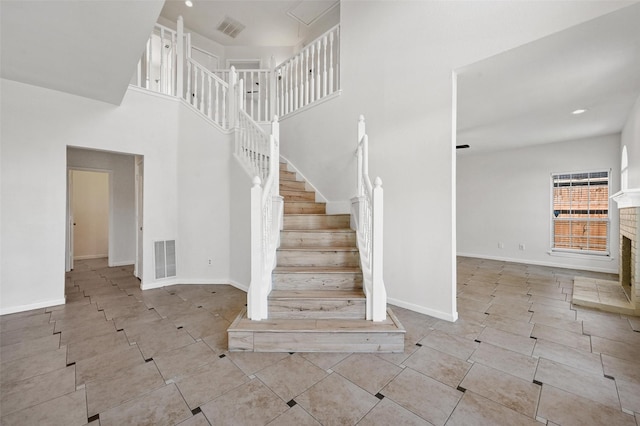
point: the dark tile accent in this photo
(461, 389)
(537, 382)
(487, 313)
(529, 310)
(291, 403)
(200, 306)
(291, 353)
(57, 332)
(196, 411)
(93, 418)
(477, 341)
(180, 328)
(533, 337)
(419, 344)
(609, 377)
(69, 365)
(213, 292)
(148, 360)
(222, 356)
(379, 395)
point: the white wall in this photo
(397, 60)
(122, 238)
(37, 126)
(203, 201)
(505, 196)
(90, 203)
(631, 139)
(240, 226)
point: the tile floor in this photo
(520, 353)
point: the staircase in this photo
(317, 302)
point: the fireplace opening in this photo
(625, 273)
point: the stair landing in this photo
(316, 335)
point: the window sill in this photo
(576, 255)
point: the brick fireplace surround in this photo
(622, 296)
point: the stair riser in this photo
(292, 239)
(283, 166)
(298, 196)
(318, 258)
(311, 281)
(292, 185)
(316, 222)
(287, 175)
(316, 342)
(316, 309)
(304, 208)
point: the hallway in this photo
(520, 352)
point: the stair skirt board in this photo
(308, 335)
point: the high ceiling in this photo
(526, 96)
(87, 48)
(267, 23)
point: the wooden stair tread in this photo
(317, 294)
(391, 324)
(319, 248)
(317, 269)
(321, 230)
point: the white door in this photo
(70, 222)
(139, 216)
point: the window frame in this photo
(554, 219)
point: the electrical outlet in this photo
(209, 263)
(521, 246)
(501, 245)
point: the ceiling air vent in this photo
(230, 27)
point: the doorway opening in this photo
(89, 203)
(88, 208)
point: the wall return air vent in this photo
(230, 27)
(165, 257)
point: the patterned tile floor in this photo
(519, 354)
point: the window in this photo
(580, 212)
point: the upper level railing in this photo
(208, 93)
(310, 75)
(369, 219)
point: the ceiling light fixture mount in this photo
(188, 3)
(578, 111)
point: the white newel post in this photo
(233, 108)
(180, 58)
(255, 310)
(379, 305)
(361, 133)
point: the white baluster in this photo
(217, 103)
(202, 99)
(296, 94)
(317, 69)
(188, 94)
(331, 53)
(324, 67)
(209, 96)
(312, 82)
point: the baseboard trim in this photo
(22, 308)
(422, 310)
(539, 263)
(192, 281)
(239, 286)
(91, 256)
(122, 263)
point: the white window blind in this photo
(580, 212)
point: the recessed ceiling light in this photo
(579, 111)
(189, 3)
